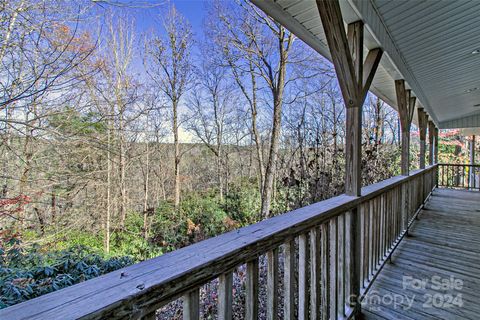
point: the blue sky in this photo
(193, 10)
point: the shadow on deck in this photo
(435, 271)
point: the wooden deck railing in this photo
(316, 243)
(461, 176)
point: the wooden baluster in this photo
(385, 224)
(333, 268)
(341, 265)
(448, 176)
(251, 300)
(378, 231)
(411, 204)
(382, 227)
(412, 198)
(394, 215)
(303, 277)
(289, 280)
(375, 233)
(459, 176)
(349, 254)
(365, 243)
(315, 292)
(398, 211)
(389, 220)
(272, 284)
(449, 169)
(443, 176)
(353, 259)
(371, 241)
(445, 172)
(416, 204)
(225, 296)
(325, 270)
(404, 206)
(191, 305)
(469, 173)
(473, 177)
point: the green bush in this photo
(242, 202)
(26, 273)
(73, 238)
(131, 242)
(200, 216)
(169, 229)
(206, 213)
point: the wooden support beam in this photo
(370, 66)
(406, 106)
(411, 105)
(355, 43)
(353, 157)
(435, 158)
(332, 22)
(431, 133)
(355, 77)
(422, 126)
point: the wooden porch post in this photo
(406, 106)
(431, 133)
(422, 124)
(355, 77)
(436, 146)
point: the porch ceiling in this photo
(427, 43)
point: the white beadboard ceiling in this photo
(428, 43)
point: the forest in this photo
(120, 144)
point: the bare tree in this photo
(266, 45)
(211, 108)
(169, 65)
(34, 61)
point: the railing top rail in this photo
(141, 288)
(459, 164)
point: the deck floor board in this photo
(443, 244)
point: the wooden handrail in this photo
(459, 165)
(138, 290)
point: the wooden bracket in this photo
(422, 123)
(406, 104)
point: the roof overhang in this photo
(430, 45)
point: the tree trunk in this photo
(177, 155)
(145, 194)
(277, 86)
(122, 165)
(109, 185)
(272, 159)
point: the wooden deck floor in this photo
(435, 271)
